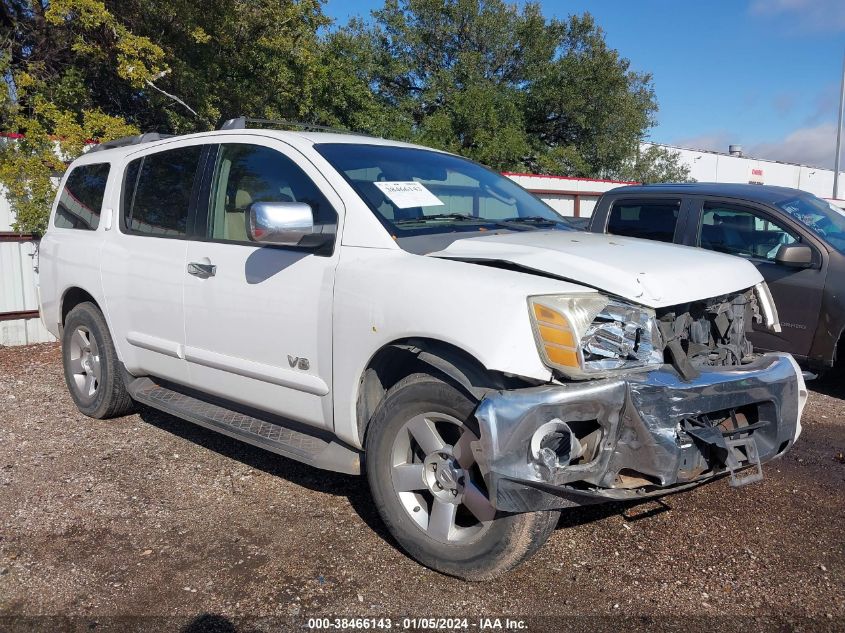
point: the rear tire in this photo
(91, 366)
(429, 490)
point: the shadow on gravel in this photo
(630, 512)
(209, 623)
(349, 486)
(830, 384)
(355, 488)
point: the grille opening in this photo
(730, 419)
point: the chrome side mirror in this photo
(282, 223)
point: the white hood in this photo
(650, 273)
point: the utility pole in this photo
(839, 134)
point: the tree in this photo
(227, 58)
(75, 72)
(654, 163)
(58, 61)
(488, 80)
(505, 86)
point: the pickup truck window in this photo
(157, 192)
(82, 198)
(452, 194)
(244, 174)
(741, 231)
(650, 220)
(820, 216)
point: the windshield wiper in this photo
(532, 219)
(530, 223)
(444, 216)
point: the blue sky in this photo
(761, 73)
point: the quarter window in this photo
(157, 192)
(650, 220)
(742, 232)
(82, 197)
(245, 174)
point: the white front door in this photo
(258, 324)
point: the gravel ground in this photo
(148, 515)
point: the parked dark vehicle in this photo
(795, 239)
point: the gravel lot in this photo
(150, 515)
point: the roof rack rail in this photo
(125, 141)
(243, 122)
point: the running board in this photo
(283, 440)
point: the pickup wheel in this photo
(92, 369)
(429, 490)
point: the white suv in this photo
(333, 297)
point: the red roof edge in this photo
(616, 182)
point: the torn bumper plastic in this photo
(639, 436)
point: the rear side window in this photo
(82, 197)
(650, 220)
(157, 192)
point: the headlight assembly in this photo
(586, 335)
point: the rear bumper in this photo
(640, 435)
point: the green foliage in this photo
(489, 80)
(261, 58)
(654, 163)
(504, 86)
(49, 50)
(29, 165)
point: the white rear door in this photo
(143, 261)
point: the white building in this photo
(576, 197)
(734, 166)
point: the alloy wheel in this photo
(84, 363)
(437, 480)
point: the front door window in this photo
(743, 232)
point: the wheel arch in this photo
(403, 357)
(71, 298)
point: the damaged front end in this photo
(710, 332)
(714, 408)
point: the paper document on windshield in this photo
(405, 195)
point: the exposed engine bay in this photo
(709, 333)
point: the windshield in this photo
(417, 192)
(821, 217)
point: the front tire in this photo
(429, 490)
(91, 366)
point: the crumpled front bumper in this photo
(636, 430)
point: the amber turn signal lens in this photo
(553, 317)
(556, 336)
(562, 356)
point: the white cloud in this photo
(814, 146)
(814, 15)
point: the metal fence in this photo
(19, 322)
